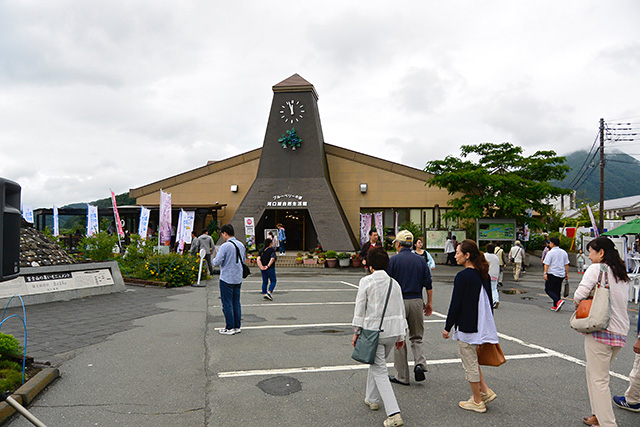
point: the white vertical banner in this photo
(188, 218)
(27, 213)
(116, 215)
(92, 220)
(56, 221)
(593, 222)
(144, 222)
(164, 230)
(527, 232)
(397, 215)
(250, 233)
(180, 231)
(379, 225)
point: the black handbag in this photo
(367, 342)
(245, 268)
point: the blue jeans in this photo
(268, 274)
(230, 296)
(281, 246)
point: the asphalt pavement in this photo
(153, 357)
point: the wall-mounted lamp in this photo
(234, 188)
(363, 188)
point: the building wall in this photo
(386, 188)
(206, 190)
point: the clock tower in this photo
(292, 186)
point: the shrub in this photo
(175, 269)
(412, 227)
(98, 247)
(9, 344)
(10, 379)
(332, 254)
(342, 255)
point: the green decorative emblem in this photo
(291, 139)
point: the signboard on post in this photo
(250, 233)
(498, 229)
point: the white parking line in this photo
(313, 369)
(309, 325)
(350, 284)
(276, 304)
(254, 291)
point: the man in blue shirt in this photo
(230, 258)
(412, 273)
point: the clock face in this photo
(292, 111)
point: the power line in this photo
(575, 179)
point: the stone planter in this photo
(344, 262)
(356, 262)
(332, 262)
(310, 261)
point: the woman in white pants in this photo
(370, 302)
(601, 347)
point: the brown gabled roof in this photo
(334, 150)
(295, 83)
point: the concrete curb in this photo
(28, 391)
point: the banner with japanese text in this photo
(365, 226)
(27, 213)
(379, 226)
(144, 222)
(164, 230)
(56, 222)
(188, 220)
(92, 220)
(116, 215)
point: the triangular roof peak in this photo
(295, 83)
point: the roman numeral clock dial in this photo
(292, 111)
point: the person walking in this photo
(450, 251)
(413, 275)
(581, 259)
(206, 242)
(494, 272)
(282, 237)
(267, 262)
(556, 269)
(419, 250)
(374, 242)
(230, 258)
(370, 303)
(516, 256)
(601, 347)
(194, 248)
(500, 253)
(470, 321)
(631, 399)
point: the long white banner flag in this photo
(56, 227)
(165, 219)
(144, 222)
(92, 220)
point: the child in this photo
(581, 261)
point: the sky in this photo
(119, 94)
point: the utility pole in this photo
(601, 219)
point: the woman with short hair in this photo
(370, 302)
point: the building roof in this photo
(622, 203)
(213, 167)
(295, 83)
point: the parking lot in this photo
(291, 364)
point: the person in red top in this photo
(374, 242)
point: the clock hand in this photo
(290, 107)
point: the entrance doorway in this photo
(301, 234)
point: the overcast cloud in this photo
(119, 94)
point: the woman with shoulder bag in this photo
(471, 313)
(370, 305)
(601, 347)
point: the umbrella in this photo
(631, 227)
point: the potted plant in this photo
(332, 258)
(299, 260)
(356, 262)
(310, 260)
(343, 259)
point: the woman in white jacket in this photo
(601, 347)
(370, 302)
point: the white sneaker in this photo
(226, 331)
(236, 330)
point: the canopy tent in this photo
(631, 227)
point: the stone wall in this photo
(36, 250)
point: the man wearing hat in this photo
(412, 273)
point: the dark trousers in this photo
(230, 296)
(207, 258)
(268, 275)
(451, 258)
(552, 287)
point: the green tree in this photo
(502, 183)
